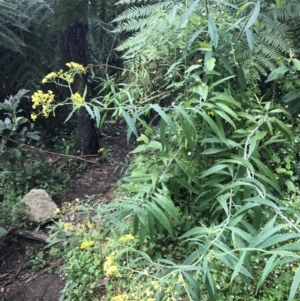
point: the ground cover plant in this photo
(209, 206)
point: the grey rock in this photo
(39, 205)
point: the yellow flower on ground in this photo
(68, 226)
(33, 116)
(126, 238)
(57, 211)
(100, 150)
(121, 297)
(90, 225)
(110, 268)
(86, 244)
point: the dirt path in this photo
(17, 280)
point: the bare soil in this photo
(18, 282)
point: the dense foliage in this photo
(211, 198)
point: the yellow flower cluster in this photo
(76, 67)
(86, 244)
(33, 116)
(44, 99)
(50, 77)
(110, 268)
(121, 297)
(211, 113)
(77, 100)
(68, 226)
(67, 76)
(126, 238)
(90, 225)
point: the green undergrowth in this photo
(104, 261)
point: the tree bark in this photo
(73, 41)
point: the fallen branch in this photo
(51, 266)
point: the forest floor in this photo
(18, 281)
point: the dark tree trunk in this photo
(73, 41)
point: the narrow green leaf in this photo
(250, 39)
(188, 171)
(213, 170)
(218, 131)
(159, 215)
(165, 117)
(194, 289)
(238, 267)
(284, 129)
(186, 15)
(212, 29)
(162, 133)
(254, 15)
(210, 286)
(268, 268)
(97, 115)
(136, 223)
(130, 122)
(295, 285)
(187, 132)
(186, 116)
(278, 238)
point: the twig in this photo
(52, 265)
(131, 148)
(58, 154)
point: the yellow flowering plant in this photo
(45, 100)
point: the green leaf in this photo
(194, 289)
(197, 232)
(166, 203)
(186, 15)
(186, 185)
(186, 116)
(162, 133)
(278, 238)
(238, 267)
(279, 3)
(296, 64)
(165, 117)
(283, 128)
(218, 131)
(268, 268)
(212, 29)
(136, 223)
(88, 108)
(277, 73)
(3, 231)
(187, 132)
(210, 63)
(188, 171)
(210, 286)
(250, 39)
(151, 224)
(295, 285)
(138, 178)
(213, 170)
(130, 122)
(254, 15)
(159, 215)
(265, 233)
(97, 115)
